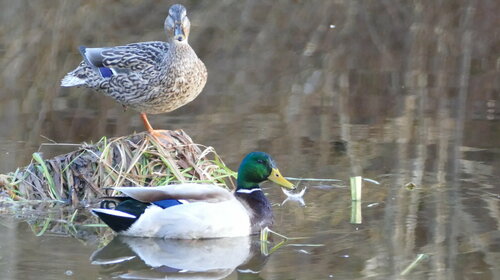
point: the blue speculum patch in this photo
(167, 203)
(105, 72)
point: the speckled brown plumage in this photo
(150, 77)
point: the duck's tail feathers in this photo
(115, 219)
(91, 71)
(71, 80)
(84, 75)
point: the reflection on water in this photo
(151, 258)
(397, 91)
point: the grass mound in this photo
(135, 160)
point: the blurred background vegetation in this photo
(402, 91)
(281, 70)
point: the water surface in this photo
(397, 92)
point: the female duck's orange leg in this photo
(148, 126)
(160, 137)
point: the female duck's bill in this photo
(193, 211)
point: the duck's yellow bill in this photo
(280, 180)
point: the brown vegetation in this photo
(136, 160)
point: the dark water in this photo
(396, 91)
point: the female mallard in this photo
(193, 211)
(150, 77)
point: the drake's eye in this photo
(260, 161)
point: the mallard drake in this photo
(149, 77)
(194, 211)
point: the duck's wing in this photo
(123, 59)
(189, 191)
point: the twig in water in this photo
(409, 268)
(313, 179)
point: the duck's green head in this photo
(258, 167)
(177, 24)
